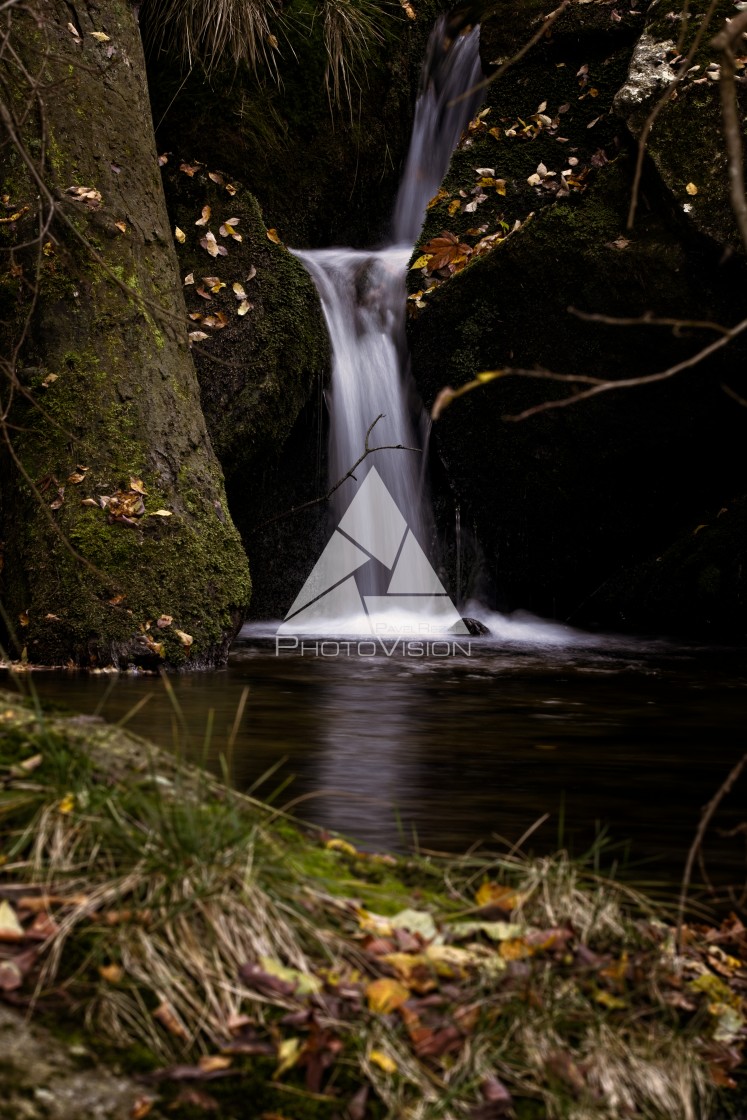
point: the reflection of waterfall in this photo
(367, 775)
(363, 298)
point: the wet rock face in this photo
(554, 505)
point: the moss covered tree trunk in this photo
(113, 502)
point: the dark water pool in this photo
(447, 751)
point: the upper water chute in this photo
(446, 103)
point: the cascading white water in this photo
(364, 299)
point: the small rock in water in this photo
(476, 628)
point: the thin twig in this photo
(547, 23)
(349, 474)
(705, 819)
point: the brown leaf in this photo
(11, 976)
(167, 1017)
(274, 237)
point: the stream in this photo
(446, 752)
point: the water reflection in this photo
(458, 750)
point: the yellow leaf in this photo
(338, 845)
(273, 236)
(691, 188)
(67, 804)
(494, 894)
(289, 1051)
(112, 973)
(10, 928)
(136, 484)
(421, 262)
(614, 1003)
(374, 923)
(305, 983)
(383, 1061)
(180, 235)
(166, 512)
(515, 949)
(386, 995)
(99, 36)
(454, 206)
(186, 639)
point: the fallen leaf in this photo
(238, 291)
(67, 804)
(10, 928)
(168, 512)
(383, 1061)
(691, 189)
(49, 380)
(11, 977)
(495, 894)
(121, 226)
(189, 279)
(142, 1107)
(111, 973)
(197, 336)
(273, 236)
(243, 307)
(421, 262)
(205, 216)
(180, 235)
(89, 196)
(211, 1062)
(211, 246)
(100, 36)
(190, 168)
(289, 1052)
(386, 995)
(167, 1017)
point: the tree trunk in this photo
(114, 510)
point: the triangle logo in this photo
(373, 531)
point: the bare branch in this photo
(725, 42)
(648, 320)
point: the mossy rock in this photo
(551, 506)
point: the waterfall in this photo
(363, 298)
